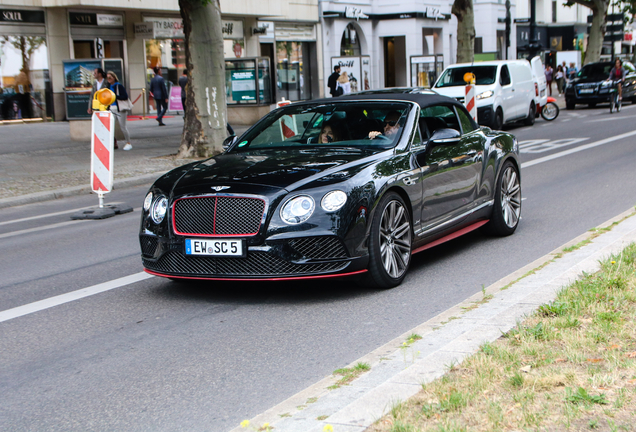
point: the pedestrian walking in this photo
(560, 78)
(572, 71)
(332, 82)
(98, 83)
(183, 82)
(548, 77)
(344, 84)
(159, 92)
(121, 107)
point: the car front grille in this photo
(256, 264)
(222, 215)
(148, 245)
(319, 247)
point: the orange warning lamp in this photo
(103, 99)
(469, 78)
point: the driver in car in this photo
(391, 126)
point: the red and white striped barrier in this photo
(469, 101)
(102, 146)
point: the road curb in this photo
(76, 190)
(447, 339)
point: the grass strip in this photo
(570, 366)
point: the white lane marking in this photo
(611, 118)
(544, 145)
(40, 228)
(72, 296)
(52, 226)
(48, 215)
(577, 149)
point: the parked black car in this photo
(591, 85)
(287, 201)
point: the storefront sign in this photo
(355, 13)
(295, 32)
(99, 48)
(232, 29)
(92, 19)
(21, 16)
(433, 13)
(167, 28)
(145, 30)
(265, 31)
(110, 20)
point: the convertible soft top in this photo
(423, 100)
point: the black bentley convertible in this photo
(333, 187)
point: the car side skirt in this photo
(451, 236)
(258, 279)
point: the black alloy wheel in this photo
(506, 211)
(390, 243)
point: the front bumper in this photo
(300, 257)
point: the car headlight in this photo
(485, 95)
(148, 201)
(159, 209)
(333, 200)
(606, 84)
(298, 209)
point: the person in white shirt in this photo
(343, 81)
(99, 83)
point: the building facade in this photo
(47, 47)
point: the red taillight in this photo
(536, 89)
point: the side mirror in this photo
(229, 141)
(445, 136)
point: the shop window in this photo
(479, 46)
(350, 43)
(292, 66)
(25, 86)
(169, 56)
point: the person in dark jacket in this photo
(332, 82)
(183, 82)
(122, 114)
(159, 92)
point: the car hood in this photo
(594, 79)
(269, 169)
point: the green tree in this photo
(463, 10)
(597, 31)
(204, 128)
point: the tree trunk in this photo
(463, 10)
(597, 31)
(204, 128)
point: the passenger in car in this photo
(329, 133)
(391, 126)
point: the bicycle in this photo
(615, 101)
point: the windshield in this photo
(455, 76)
(598, 71)
(366, 125)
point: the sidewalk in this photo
(39, 162)
(397, 371)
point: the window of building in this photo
(350, 44)
(554, 11)
(479, 47)
(292, 60)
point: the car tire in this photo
(569, 105)
(506, 211)
(532, 115)
(389, 243)
(497, 122)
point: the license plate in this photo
(215, 247)
(586, 91)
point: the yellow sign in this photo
(469, 78)
(103, 99)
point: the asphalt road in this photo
(159, 355)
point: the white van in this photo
(505, 90)
(541, 85)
